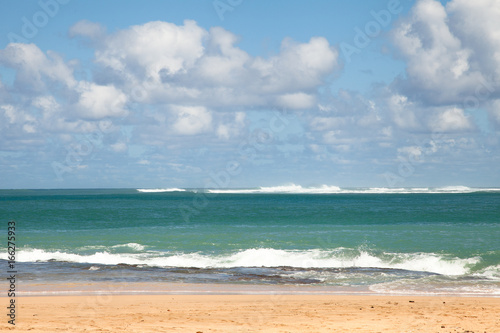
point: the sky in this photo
(240, 93)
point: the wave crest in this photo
(266, 257)
(292, 188)
(159, 190)
(329, 189)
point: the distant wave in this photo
(158, 190)
(328, 189)
(283, 189)
(267, 257)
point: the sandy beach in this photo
(254, 313)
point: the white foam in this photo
(133, 246)
(158, 190)
(291, 188)
(454, 189)
(103, 258)
(490, 272)
(265, 257)
(330, 189)
(430, 262)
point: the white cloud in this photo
(48, 105)
(369, 120)
(15, 118)
(339, 140)
(153, 48)
(296, 101)
(191, 120)
(87, 29)
(34, 67)
(414, 152)
(184, 168)
(9, 113)
(223, 63)
(298, 66)
(227, 129)
(119, 147)
(18, 129)
(223, 131)
(160, 62)
(97, 102)
(451, 120)
(477, 25)
(410, 116)
(440, 47)
(171, 83)
(327, 123)
(325, 108)
(402, 111)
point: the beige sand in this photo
(254, 313)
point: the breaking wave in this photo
(330, 189)
(159, 190)
(267, 257)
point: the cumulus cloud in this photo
(298, 66)
(16, 120)
(172, 90)
(222, 62)
(176, 77)
(98, 102)
(350, 123)
(19, 130)
(413, 152)
(156, 47)
(160, 62)
(451, 120)
(449, 51)
(34, 69)
(477, 25)
(46, 99)
(403, 112)
(48, 106)
(190, 120)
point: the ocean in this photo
(418, 241)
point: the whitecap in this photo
(268, 257)
(159, 190)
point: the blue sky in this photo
(239, 93)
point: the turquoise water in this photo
(406, 241)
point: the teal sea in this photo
(392, 241)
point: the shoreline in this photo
(178, 288)
(255, 313)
